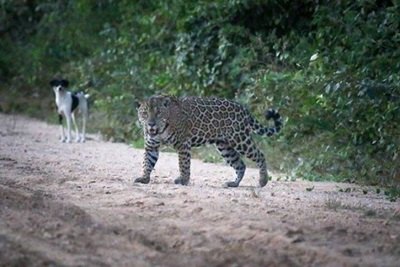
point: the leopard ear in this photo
(166, 102)
(138, 104)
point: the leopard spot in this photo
(217, 115)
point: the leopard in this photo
(193, 121)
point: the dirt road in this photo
(75, 205)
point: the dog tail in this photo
(82, 94)
(85, 99)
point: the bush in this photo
(332, 68)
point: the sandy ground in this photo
(75, 205)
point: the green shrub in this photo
(332, 69)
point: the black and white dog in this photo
(68, 104)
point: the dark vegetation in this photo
(331, 67)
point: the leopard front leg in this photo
(149, 161)
(184, 164)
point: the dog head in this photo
(59, 85)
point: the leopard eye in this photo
(144, 114)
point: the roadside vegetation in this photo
(332, 68)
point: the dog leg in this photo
(85, 114)
(77, 137)
(60, 118)
(84, 117)
(68, 117)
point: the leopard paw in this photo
(142, 180)
(231, 184)
(263, 181)
(181, 181)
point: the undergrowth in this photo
(331, 68)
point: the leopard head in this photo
(154, 114)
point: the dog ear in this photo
(53, 83)
(64, 83)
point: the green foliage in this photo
(332, 68)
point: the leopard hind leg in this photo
(249, 149)
(232, 157)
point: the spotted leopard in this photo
(193, 121)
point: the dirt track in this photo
(75, 205)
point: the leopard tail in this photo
(259, 129)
